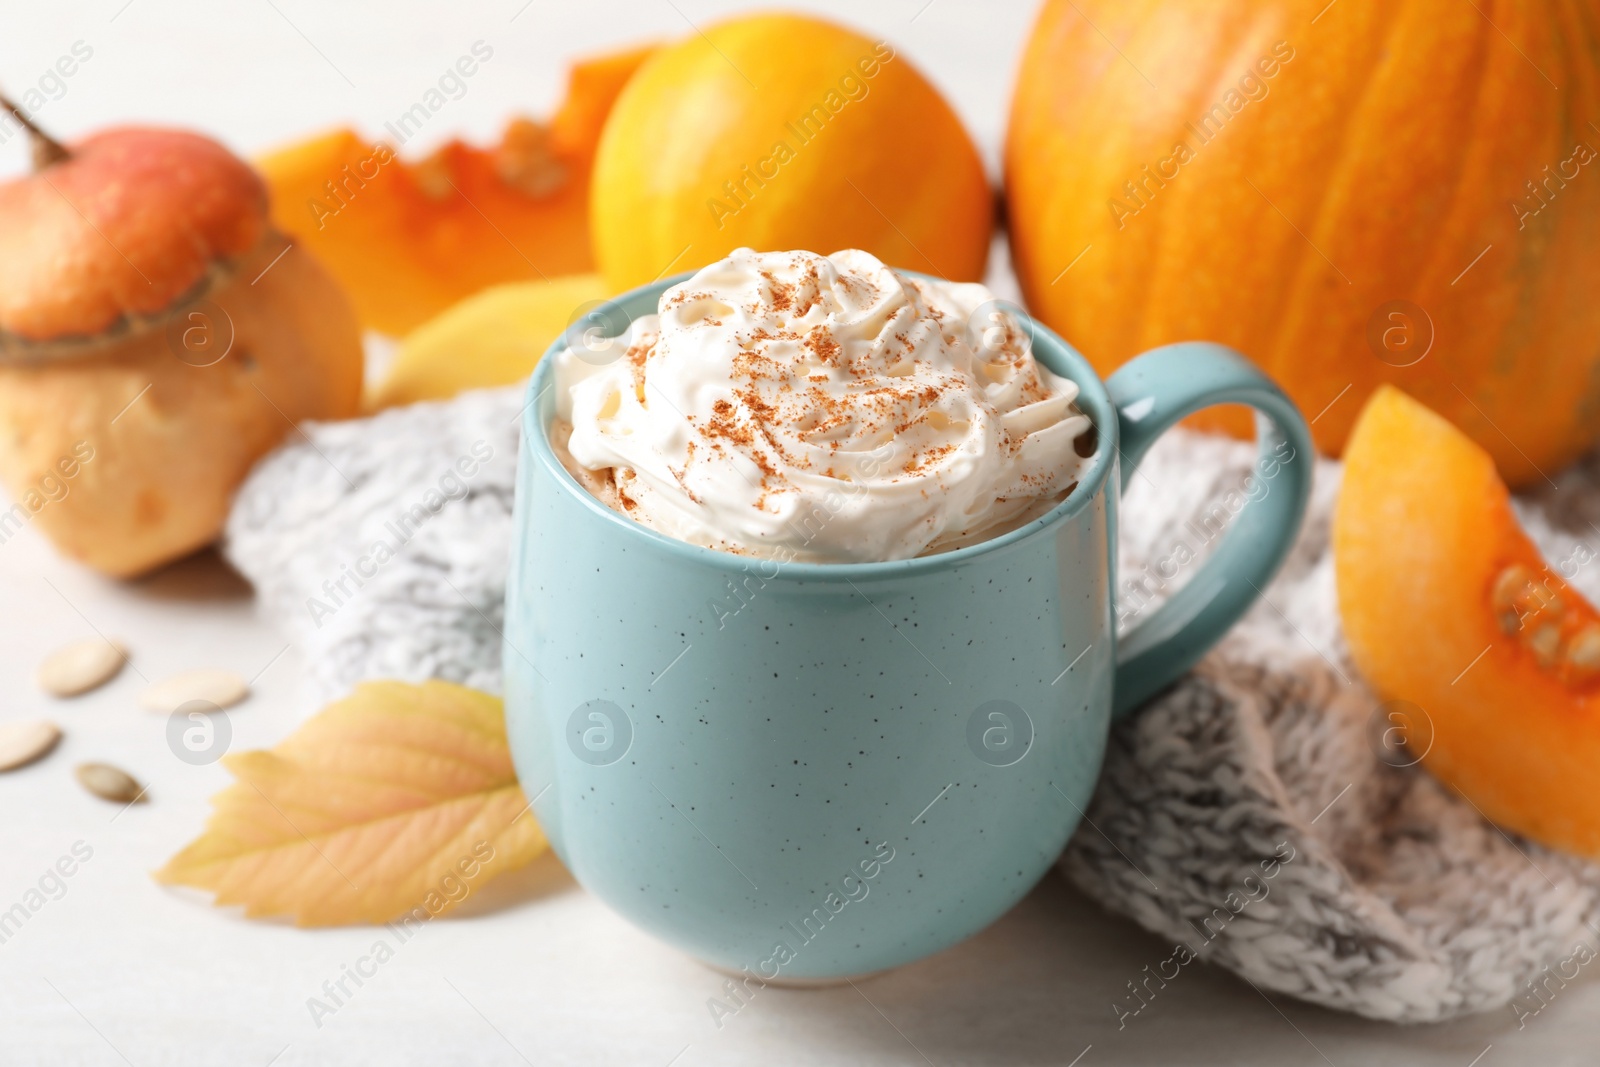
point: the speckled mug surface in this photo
(808, 771)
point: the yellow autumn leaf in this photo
(398, 799)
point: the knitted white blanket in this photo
(380, 546)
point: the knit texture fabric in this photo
(1263, 814)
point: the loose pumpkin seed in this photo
(23, 742)
(80, 667)
(109, 783)
(221, 689)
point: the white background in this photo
(532, 970)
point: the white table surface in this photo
(120, 970)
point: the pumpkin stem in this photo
(46, 149)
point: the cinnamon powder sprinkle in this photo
(778, 413)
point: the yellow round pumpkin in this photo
(779, 132)
(1365, 194)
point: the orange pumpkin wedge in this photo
(1449, 606)
(409, 238)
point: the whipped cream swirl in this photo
(820, 408)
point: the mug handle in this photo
(1153, 392)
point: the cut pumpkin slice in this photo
(408, 238)
(492, 338)
(1448, 606)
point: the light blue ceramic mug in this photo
(803, 771)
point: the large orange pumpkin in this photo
(1350, 194)
(783, 131)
